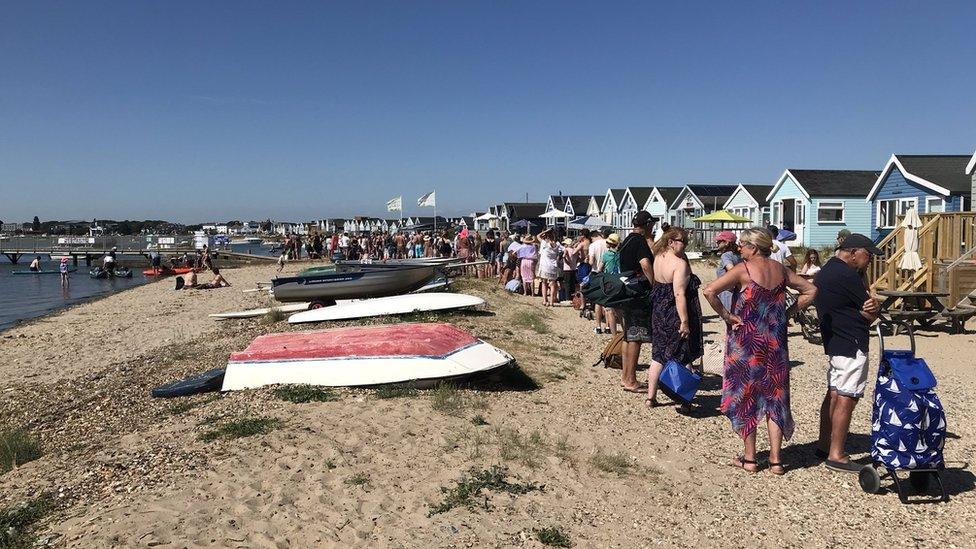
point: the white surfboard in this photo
(251, 313)
(396, 305)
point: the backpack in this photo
(614, 290)
(613, 354)
(908, 423)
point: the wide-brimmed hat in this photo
(613, 239)
(528, 240)
(725, 236)
(567, 241)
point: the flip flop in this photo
(641, 388)
(743, 462)
(777, 464)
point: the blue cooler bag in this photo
(679, 382)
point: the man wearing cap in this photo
(846, 312)
(635, 257)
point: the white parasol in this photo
(912, 223)
(555, 214)
(486, 217)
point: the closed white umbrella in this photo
(912, 223)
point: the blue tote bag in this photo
(678, 382)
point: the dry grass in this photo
(17, 447)
(449, 400)
(616, 463)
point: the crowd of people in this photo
(755, 272)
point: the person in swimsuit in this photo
(35, 265)
(63, 269)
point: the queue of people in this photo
(754, 273)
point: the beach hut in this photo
(971, 171)
(633, 201)
(660, 200)
(928, 183)
(610, 209)
(750, 201)
(580, 205)
(817, 204)
(695, 201)
(529, 211)
(554, 203)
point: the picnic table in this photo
(912, 307)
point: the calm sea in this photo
(24, 297)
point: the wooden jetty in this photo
(90, 254)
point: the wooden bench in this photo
(957, 318)
(911, 317)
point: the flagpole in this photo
(435, 211)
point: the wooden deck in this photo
(947, 248)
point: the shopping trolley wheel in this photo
(869, 479)
(920, 480)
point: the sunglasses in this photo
(679, 240)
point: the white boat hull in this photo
(396, 305)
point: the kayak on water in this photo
(40, 272)
(167, 271)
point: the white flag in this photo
(427, 200)
(395, 205)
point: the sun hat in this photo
(567, 241)
(528, 240)
(725, 236)
(613, 239)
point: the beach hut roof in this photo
(669, 194)
(526, 210)
(759, 192)
(971, 167)
(640, 194)
(829, 182)
(580, 202)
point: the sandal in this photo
(651, 402)
(782, 469)
(743, 462)
(640, 388)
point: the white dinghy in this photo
(382, 306)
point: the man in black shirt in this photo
(846, 312)
(635, 258)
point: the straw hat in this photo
(567, 241)
(528, 240)
(613, 239)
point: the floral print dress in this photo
(757, 361)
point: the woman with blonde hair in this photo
(676, 326)
(756, 385)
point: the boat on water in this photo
(252, 240)
(352, 282)
(121, 272)
(422, 353)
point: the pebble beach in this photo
(571, 453)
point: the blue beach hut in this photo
(928, 183)
(817, 204)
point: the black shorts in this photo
(637, 321)
(569, 280)
(511, 263)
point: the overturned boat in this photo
(362, 356)
(352, 282)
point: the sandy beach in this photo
(126, 470)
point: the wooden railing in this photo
(943, 237)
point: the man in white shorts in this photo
(846, 312)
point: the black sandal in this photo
(651, 402)
(777, 464)
(743, 462)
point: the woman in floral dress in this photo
(756, 386)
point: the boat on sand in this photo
(352, 283)
(382, 306)
(362, 356)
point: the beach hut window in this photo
(830, 212)
(934, 205)
(889, 210)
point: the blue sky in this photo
(197, 111)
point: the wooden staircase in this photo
(947, 245)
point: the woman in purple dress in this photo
(756, 384)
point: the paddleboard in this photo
(40, 272)
(362, 356)
(251, 313)
(396, 305)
